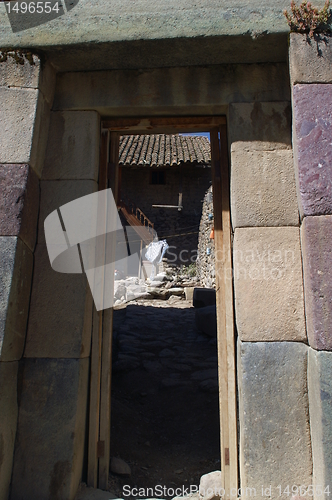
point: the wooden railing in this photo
(137, 212)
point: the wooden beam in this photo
(220, 302)
(106, 361)
(164, 125)
(95, 373)
(229, 312)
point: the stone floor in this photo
(165, 409)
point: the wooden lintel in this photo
(132, 126)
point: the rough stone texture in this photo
(260, 126)
(51, 429)
(275, 443)
(259, 31)
(86, 493)
(312, 110)
(19, 203)
(173, 90)
(263, 190)
(15, 284)
(205, 263)
(268, 284)
(60, 312)
(310, 61)
(320, 396)
(8, 423)
(210, 486)
(73, 146)
(17, 115)
(316, 236)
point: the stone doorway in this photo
(99, 434)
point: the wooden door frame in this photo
(112, 129)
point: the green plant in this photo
(308, 19)
(191, 270)
(20, 56)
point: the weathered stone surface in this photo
(210, 486)
(310, 61)
(60, 312)
(316, 236)
(120, 467)
(86, 493)
(151, 92)
(263, 190)
(19, 203)
(54, 194)
(73, 146)
(312, 110)
(32, 76)
(275, 443)
(15, 284)
(268, 284)
(261, 126)
(17, 115)
(8, 423)
(51, 429)
(320, 396)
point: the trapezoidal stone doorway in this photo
(99, 449)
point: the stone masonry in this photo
(311, 77)
(26, 93)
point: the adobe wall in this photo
(284, 399)
(179, 228)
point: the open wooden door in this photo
(100, 386)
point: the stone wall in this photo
(179, 228)
(311, 78)
(205, 256)
(26, 93)
(275, 444)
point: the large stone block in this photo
(312, 108)
(268, 284)
(60, 317)
(54, 194)
(51, 429)
(263, 190)
(73, 146)
(320, 399)
(262, 126)
(310, 61)
(275, 447)
(15, 285)
(316, 236)
(8, 423)
(17, 116)
(19, 204)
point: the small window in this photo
(158, 177)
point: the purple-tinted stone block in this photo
(312, 107)
(19, 202)
(316, 234)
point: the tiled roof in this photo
(163, 150)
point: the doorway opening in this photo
(165, 402)
(160, 363)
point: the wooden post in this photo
(106, 361)
(225, 319)
(229, 311)
(96, 345)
